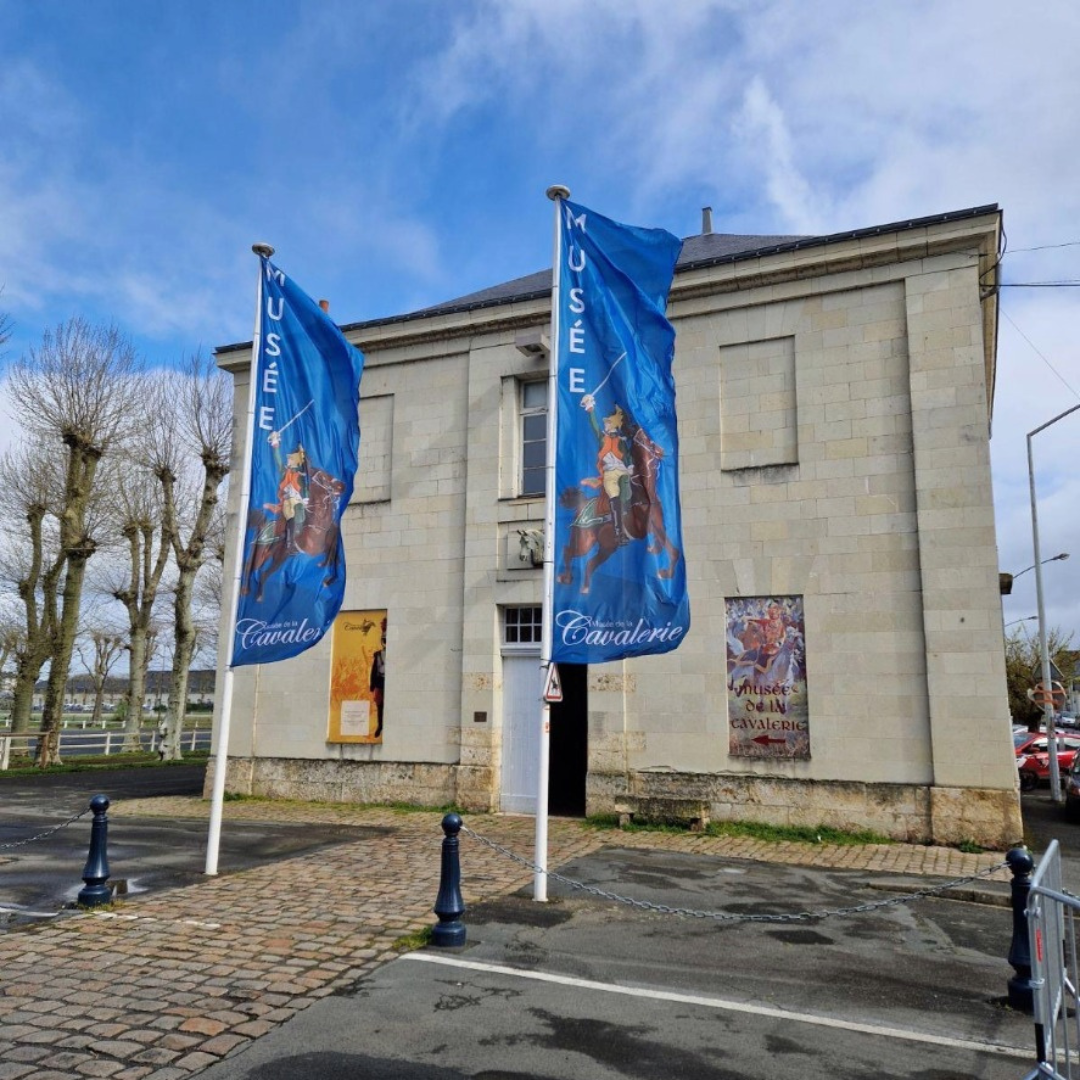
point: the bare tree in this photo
(1023, 669)
(201, 400)
(99, 653)
(11, 637)
(144, 520)
(79, 388)
(32, 565)
(209, 590)
(5, 327)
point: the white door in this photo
(523, 686)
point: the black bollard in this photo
(96, 871)
(449, 932)
(1021, 994)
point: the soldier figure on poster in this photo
(766, 663)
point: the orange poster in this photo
(357, 677)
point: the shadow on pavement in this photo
(42, 859)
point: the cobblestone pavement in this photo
(165, 986)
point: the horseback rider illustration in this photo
(292, 491)
(614, 463)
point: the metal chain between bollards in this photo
(49, 832)
(724, 916)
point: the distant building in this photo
(845, 663)
(80, 689)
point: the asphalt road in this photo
(41, 865)
(1044, 821)
(587, 987)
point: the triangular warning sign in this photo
(553, 686)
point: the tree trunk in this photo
(76, 547)
(183, 651)
(27, 670)
(99, 704)
(68, 628)
(136, 688)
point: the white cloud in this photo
(353, 138)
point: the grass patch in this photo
(799, 834)
(411, 942)
(969, 847)
(753, 830)
(22, 766)
(410, 808)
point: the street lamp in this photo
(1008, 579)
(1048, 704)
(1053, 558)
(1026, 618)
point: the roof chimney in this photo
(325, 305)
(706, 220)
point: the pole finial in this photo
(263, 250)
(558, 191)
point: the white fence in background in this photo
(83, 742)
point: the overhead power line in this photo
(1041, 356)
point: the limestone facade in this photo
(834, 398)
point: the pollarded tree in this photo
(201, 400)
(143, 519)
(99, 649)
(79, 389)
(31, 564)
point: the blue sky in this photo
(396, 154)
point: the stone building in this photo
(845, 662)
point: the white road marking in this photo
(1027, 1054)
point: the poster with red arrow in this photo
(766, 678)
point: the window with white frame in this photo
(521, 626)
(534, 409)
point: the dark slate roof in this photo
(696, 251)
(708, 249)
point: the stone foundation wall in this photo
(905, 812)
(423, 783)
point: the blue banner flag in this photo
(620, 579)
(306, 438)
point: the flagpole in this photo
(556, 193)
(221, 756)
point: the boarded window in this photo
(376, 444)
(758, 421)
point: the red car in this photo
(1033, 757)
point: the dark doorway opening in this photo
(569, 747)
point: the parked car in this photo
(1033, 758)
(1072, 791)
(1024, 740)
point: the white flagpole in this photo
(556, 193)
(221, 754)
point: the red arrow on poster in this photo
(765, 740)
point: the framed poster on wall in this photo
(768, 715)
(357, 677)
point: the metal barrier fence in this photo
(107, 741)
(1052, 914)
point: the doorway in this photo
(569, 750)
(568, 764)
